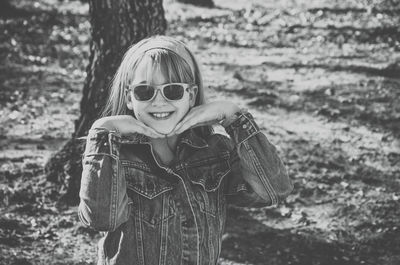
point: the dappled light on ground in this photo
(320, 77)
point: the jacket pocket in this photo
(207, 176)
(150, 194)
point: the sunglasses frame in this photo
(160, 88)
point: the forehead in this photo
(160, 66)
(149, 71)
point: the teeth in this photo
(161, 114)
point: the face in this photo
(147, 112)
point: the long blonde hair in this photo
(170, 64)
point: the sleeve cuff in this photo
(242, 127)
(102, 140)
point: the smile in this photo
(161, 115)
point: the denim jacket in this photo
(154, 214)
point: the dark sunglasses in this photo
(171, 91)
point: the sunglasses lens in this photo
(143, 92)
(173, 92)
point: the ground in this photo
(320, 77)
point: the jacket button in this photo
(188, 223)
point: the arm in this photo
(104, 204)
(258, 177)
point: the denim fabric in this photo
(153, 214)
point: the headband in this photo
(175, 46)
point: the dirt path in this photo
(321, 78)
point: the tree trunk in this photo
(7, 10)
(115, 26)
(205, 3)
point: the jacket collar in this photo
(191, 138)
(188, 137)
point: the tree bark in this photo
(115, 26)
(205, 3)
(7, 10)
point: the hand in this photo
(126, 124)
(206, 114)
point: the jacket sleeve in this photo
(104, 203)
(258, 178)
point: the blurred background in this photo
(322, 79)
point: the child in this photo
(157, 176)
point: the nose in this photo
(158, 98)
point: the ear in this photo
(192, 95)
(128, 99)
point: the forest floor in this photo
(321, 78)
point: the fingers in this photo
(127, 124)
(207, 123)
(198, 116)
(182, 122)
(190, 120)
(195, 119)
(184, 126)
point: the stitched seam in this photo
(210, 243)
(100, 154)
(248, 137)
(166, 232)
(260, 172)
(214, 188)
(161, 261)
(166, 239)
(140, 232)
(135, 164)
(131, 187)
(195, 222)
(253, 124)
(114, 190)
(215, 159)
(206, 203)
